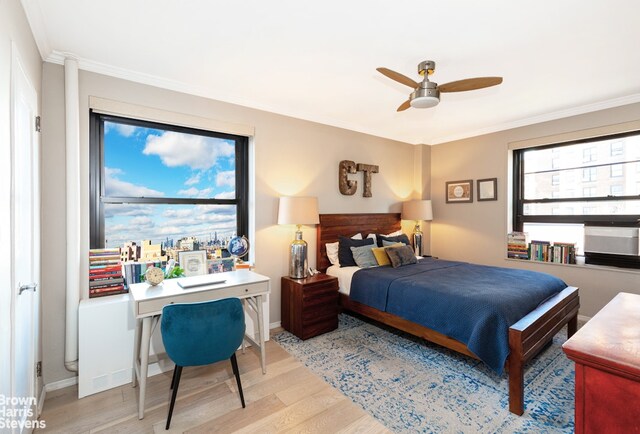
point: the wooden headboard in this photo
(333, 225)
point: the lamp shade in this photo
(298, 211)
(417, 210)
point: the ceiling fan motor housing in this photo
(427, 95)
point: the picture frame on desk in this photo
(220, 265)
(193, 262)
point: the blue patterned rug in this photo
(413, 386)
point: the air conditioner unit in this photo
(612, 245)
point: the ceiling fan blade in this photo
(405, 105)
(470, 84)
(398, 77)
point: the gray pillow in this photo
(364, 256)
(401, 255)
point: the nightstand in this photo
(310, 305)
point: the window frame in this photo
(519, 219)
(97, 198)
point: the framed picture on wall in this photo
(488, 189)
(459, 191)
(194, 262)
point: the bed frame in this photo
(526, 337)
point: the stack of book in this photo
(560, 253)
(134, 271)
(517, 245)
(564, 253)
(539, 251)
(105, 273)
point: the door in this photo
(25, 249)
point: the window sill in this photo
(580, 264)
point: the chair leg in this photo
(176, 379)
(173, 379)
(234, 365)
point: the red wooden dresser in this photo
(607, 355)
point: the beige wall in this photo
(292, 157)
(14, 34)
(476, 232)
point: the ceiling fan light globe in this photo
(425, 98)
(424, 102)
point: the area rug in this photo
(411, 385)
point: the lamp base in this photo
(417, 240)
(298, 266)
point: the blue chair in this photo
(196, 334)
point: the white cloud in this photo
(194, 179)
(116, 187)
(122, 129)
(127, 209)
(226, 179)
(226, 195)
(125, 130)
(194, 192)
(141, 222)
(178, 149)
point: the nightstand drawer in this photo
(321, 310)
(317, 328)
(319, 290)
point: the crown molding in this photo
(574, 111)
(36, 22)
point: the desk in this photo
(606, 351)
(148, 301)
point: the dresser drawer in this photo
(155, 306)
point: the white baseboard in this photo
(61, 384)
(275, 325)
(43, 394)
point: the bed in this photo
(526, 337)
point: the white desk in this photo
(148, 302)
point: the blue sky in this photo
(157, 163)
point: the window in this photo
(617, 148)
(589, 174)
(589, 154)
(552, 217)
(616, 170)
(171, 185)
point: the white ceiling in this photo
(316, 60)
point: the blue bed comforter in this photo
(474, 304)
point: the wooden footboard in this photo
(526, 337)
(529, 335)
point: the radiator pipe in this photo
(72, 153)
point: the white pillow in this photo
(332, 250)
(392, 234)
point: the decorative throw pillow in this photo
(402, 238)
(402, 255)
(332, 250)
(392, 244)
(344, 250)
(364, 256)
(381, 256)
(332, 253)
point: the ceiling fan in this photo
(427, 93)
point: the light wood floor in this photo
(289, 398)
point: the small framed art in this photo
(459, 191)
(488, 189)
(194, 262)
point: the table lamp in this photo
(417, 210)
(298, 211)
